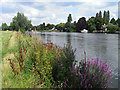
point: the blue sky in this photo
(55, 12)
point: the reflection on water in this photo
(101, 46)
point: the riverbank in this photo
(39, 65)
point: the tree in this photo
(113, 21)
(105, 17)
(118, 22)
(69, 19)
(12, 26)
(50, 26)
(21, 22)
(100, 14)
(97, 15)
(91, 24)
(108, 17)
(4, 26)
(81, 24)
(92, 28)
(99, 22)
(112, 28)
(60, 27)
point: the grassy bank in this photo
(32, 64)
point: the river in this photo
(96, 45)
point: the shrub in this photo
(90, 74)
(92, 28)
(65, 60)
(112, 28)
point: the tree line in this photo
(97, 23)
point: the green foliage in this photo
(4, 26)
(112, 28)
(106, 16)
(113, 21)
(61, 70)
(99, 22)
(60, 26)
(92, 28)
(69, 19)
(20, 22)
(91, 24)
(118, 22)
(100, 14)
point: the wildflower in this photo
(85, 86)
(93, 79)
(79, 74)
(84, 76)
(86, 81)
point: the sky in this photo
(54, 12)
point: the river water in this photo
(96, 45)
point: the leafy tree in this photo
(118, 22)
(21, 22)
(12, 26)
(60, 27)
(97, 15)
(69, 19)
(100, 14)
(99, 22)
(105, 17)
(4, 26)
(113, 21)
(91, 24)
(81, 24)
(69, 27)
(50, 26)
(112, 28)
(92, 28)
(108, 17)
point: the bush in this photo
(112, 28)
(92, 28)
(91, 74)
(61, 70)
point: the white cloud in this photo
(53, 13)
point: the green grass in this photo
(5, 41)
(21, 80)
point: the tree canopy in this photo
(20, 22)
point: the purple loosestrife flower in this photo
(92, 60)
(101, 62)
(85, 86)
(110, 71)
(93, 79)
(88, 73)
(86, 81)
(89, 86)
(81, 83)
(107, 68)
(84, 76)
(97, 61)
(80, 75)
